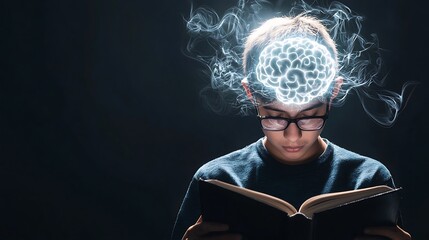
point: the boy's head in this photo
(291, 68)
(291, 60)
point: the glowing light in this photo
(298, 69)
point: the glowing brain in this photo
(298, 69)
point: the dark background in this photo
(102, 125)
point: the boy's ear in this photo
(245, 85)
(337, 86)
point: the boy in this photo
(292, 80)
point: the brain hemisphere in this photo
(298, 69)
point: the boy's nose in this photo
(292, 133)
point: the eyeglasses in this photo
(312, 123)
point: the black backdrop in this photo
(102, 125)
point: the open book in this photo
(339, 215)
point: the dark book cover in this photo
(257, 220)
(349, 220)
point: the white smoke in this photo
(218, 42)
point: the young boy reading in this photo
(291, 67)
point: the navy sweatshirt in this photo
(337, 169)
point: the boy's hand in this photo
(204, 231)
(393, 233)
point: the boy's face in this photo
(292, 145)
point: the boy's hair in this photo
(277, 29)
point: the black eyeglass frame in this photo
(296, 120)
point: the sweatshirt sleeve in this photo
(189, 211)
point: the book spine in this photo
(299, 228)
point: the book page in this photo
(261, 197)
(330, 200)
